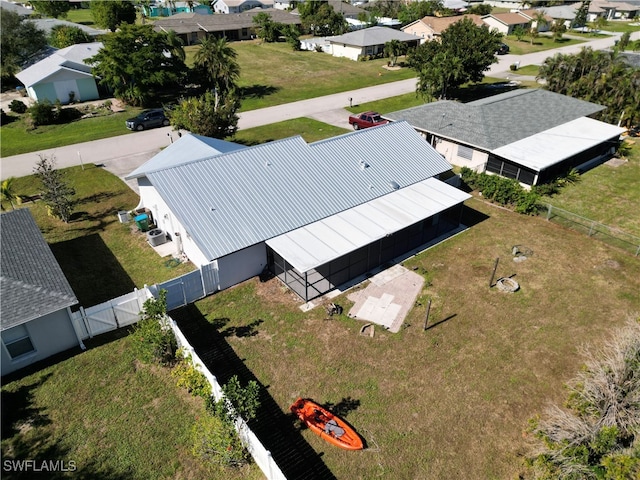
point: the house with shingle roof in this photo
(531, 135)
(430, 28)
(62, 75)
(192, 27)
(507, 22)
(35, 296)
(365, 42)
(315, 215)
(238, 6)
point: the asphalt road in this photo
(124, 153)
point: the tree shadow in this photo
(248, 330)
(85, 259)
(18, 408)
(257, 91)
(343, 407)
(272, 426)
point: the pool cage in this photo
(324, 278)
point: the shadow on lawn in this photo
(28, 450)
(257, 91)
(275, 429)
(471, 217)
(84, 259)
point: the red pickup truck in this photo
(366, 120)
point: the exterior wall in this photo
(42, 92)
(59, 85)
(420, 30)
(493, 23)
(87, 89)
(49, 335)
(166, 220)
(449, 150)
(242, 265)
(348, 51)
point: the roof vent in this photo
(363, 165)
(394, 185)
(267, 163)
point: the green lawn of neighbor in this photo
(524, 46)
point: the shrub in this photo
(16, 106)
(190, 377)
(216, 440)
(513, 67)
(153, 340)
(42, 113)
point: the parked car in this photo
(366, 120)
(503, 49)
(148, 119)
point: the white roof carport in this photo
(549, 147)
(320, 242)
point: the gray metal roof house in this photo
(316, 215)
(35, 296)
(532, 135)
(63, 75)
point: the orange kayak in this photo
(327, 425)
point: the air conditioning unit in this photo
(156, 237)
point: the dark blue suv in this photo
(148, 119)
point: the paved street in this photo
(122, 154)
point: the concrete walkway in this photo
(124, 153)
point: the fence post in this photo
(86, 323)
(269, 460)
(548, 211)
(591, 228)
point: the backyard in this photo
(450, 402)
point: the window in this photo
(17, 341)
(465, 152)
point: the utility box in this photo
(123, 216)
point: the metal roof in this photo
(372, 36)
(320, 242)
(499, 120)
(547, 148)
(31, 281)
(245, 197)
(188, 148)
(69, 58)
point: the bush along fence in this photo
(223, 437)
(605, 233)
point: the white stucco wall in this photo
(242, 265)
(347, 51)
(449, 150)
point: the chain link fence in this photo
(605, 233)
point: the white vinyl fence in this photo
(260, 454)
(119, 312)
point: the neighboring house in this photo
(368, 41)
(47, 24)
(430, 28)
(316, 215)
(506, 23)
(192, 28)
(532, 135)
(565, 14)
(36, 298)
(239, 6)
(15, 8)
(62, 75)
(347, 10)
(531, 13)
(618, 10)
(174, 8)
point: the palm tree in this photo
(175, 45)
(217, 63)
(7, 191)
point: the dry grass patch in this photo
(452, 402)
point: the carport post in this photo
(426, 319)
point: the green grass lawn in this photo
(272, 73)
(616, 190)
(622, 27)
(110, 415)
(524, 46)
(309, 129)
(82, 16)
(94, 243)
(18, 138)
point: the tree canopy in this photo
(464, 53)
(216, 66)
(266, 29)
(320, 19)
(19, 40)
(135, 61)
(111, 13)
(212, 115)
(56, 9)
(599, 77)
(57, 194)
(62, 36)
